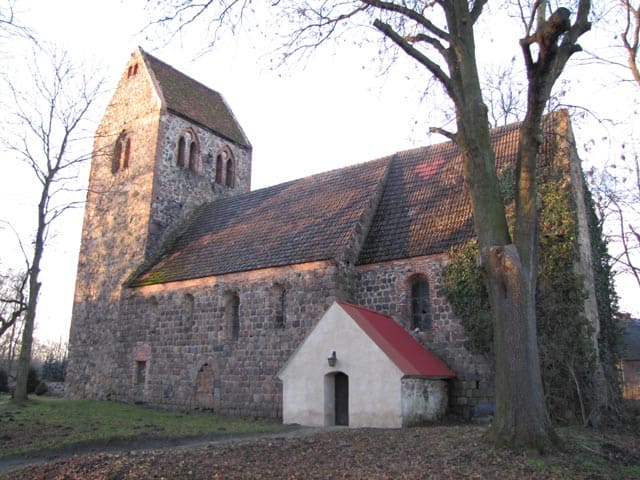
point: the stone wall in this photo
(177, 191)
(182, 332)
(114, 232)
(132, 205)
(386, 287)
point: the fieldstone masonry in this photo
(184, 344)
(386, 288)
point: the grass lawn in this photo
(46, 423)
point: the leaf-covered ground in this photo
(438, 452)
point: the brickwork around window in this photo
(386, 287)
(244, 381)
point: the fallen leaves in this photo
(437, 452)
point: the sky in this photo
(334, 109)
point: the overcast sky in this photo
(336, 109)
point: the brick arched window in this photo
(420, 303)
(188, 151)
(181, 147)
(230, 179)
(121, 153)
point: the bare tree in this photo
(630, 36)
(10, 25)
(46, 131)
(440, 36)
(617, 195)
(13, 300)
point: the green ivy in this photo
(565, 335)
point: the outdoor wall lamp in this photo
(332, 359)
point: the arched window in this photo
(232, 313)
(420, 303)
(193, 156)
(181, 148)
(230, 178)
(219, 167)
(121, 153)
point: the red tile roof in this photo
(409, 356)
(194, 101)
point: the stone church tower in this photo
(165, 145)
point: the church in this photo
(194, 292)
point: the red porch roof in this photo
(405, 351)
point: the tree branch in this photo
(433, 67)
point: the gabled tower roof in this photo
(194, 101)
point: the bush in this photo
(4, 382)
(53, 370)
(32, 380)
(41, 389)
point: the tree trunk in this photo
(24, 360)
(521, 419)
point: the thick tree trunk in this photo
(521, 419)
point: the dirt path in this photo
(12, 463)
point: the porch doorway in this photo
(341, 399)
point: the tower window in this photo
(420, 304)
(219, 167)
(188, 149)
(193, 157)
(181, 147)
(230, 180)
(121, 153)
(132, 70)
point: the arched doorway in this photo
(341, 398)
